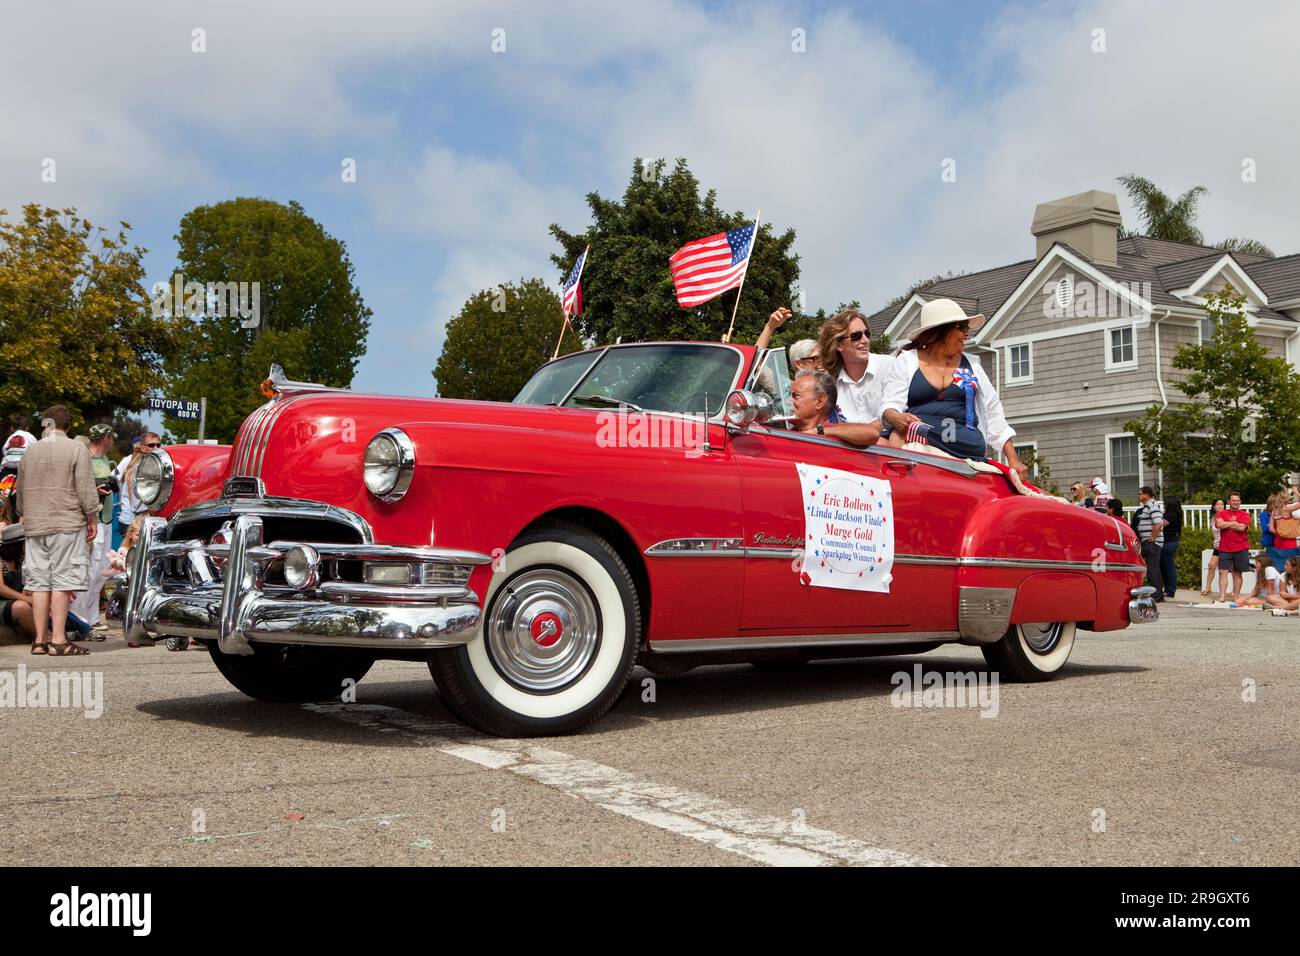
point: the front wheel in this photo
(561, 630)
(1031, 652)
(287, 674)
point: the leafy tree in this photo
(627, 288)
(1249, 246)
(1175, 219)
(313, 321)
(1237, 428)
(499, 339)
(75, 323)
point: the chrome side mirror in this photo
(744, 407)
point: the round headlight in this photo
(389, 464)
(300, 567)
(153, 479)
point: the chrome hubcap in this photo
(1042, 638)
(543, 630)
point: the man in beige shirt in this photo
(59, 507)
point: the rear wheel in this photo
(561, 630)
(1031, 652)
(285, 674)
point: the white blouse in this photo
(992, 421)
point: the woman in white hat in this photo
(936, 393)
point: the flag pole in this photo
(581, 269)
(740, 288)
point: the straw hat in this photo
(943, 312)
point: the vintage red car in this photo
(636, 503)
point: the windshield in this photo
(552, 382)
(670, 378)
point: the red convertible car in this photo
(641, 503)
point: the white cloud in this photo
(844, 142)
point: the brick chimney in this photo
(1088, 222)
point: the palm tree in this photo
(1175, 219)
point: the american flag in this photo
(571, 300)
(709, 267)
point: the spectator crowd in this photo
(69, 515)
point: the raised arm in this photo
(774, 322)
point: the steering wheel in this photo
(656, 400)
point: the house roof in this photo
(1162, 265)
(1279, 278)
(975, 292)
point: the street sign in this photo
(175, 408)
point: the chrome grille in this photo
(455, 574)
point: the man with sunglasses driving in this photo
(845, 345)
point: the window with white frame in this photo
(1125, 467)
(1020, 365)
(1121, 348)
(1205, 331)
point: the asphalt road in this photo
(1173, 744)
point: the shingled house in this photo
(1072, 335)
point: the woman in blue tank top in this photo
(938, 394)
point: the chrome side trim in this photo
(1047, 565)
(801, 640)
(697, 548)
(984, 614)
(230, 508)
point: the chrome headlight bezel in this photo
(388, 464)
(158, 471)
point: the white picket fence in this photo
(1198, 516)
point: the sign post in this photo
(203, 416)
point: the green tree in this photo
(75, 324)
(627, 288)
(1237, 428)
(1164, 217)
(498, 340)
(312, 319)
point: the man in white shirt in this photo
(845, 342)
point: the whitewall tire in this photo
(560, 634)
(1032, 652)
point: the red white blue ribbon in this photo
(965, 378)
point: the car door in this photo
(930, 506)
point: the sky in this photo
(474, 125)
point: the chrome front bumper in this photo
(239, 608)
(1142, 608)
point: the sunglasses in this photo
(854, 336)
(153, 444)
(962, 326)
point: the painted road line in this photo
(696, 816)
